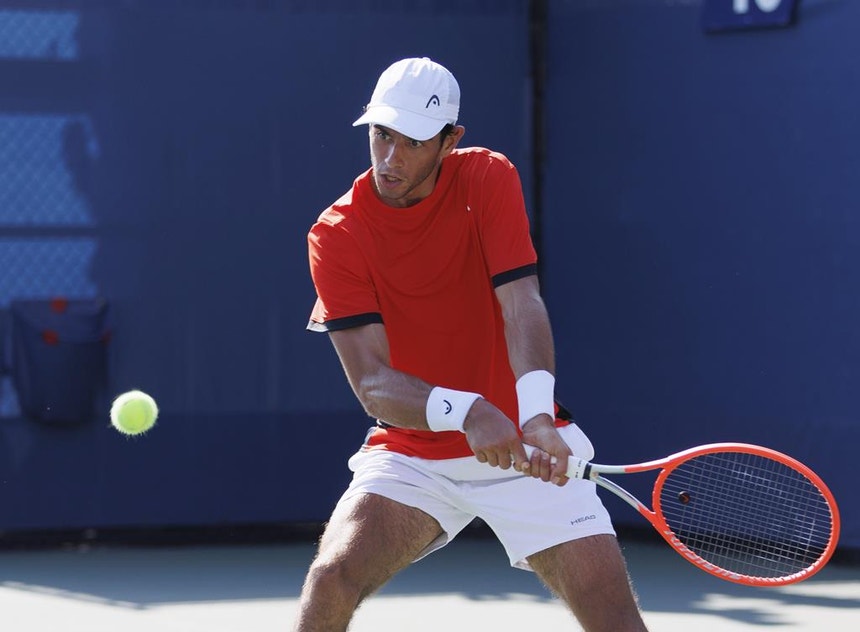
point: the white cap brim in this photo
(415, 126)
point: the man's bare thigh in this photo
(590, 575)
(377, 534)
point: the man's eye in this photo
(416, 143)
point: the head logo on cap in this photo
(416, 97)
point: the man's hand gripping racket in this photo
(744, 513)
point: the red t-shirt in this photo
(428, 273)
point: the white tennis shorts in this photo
(527, 514)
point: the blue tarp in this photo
(698, 244)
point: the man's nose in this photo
(395, 155)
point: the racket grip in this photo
(576, 467)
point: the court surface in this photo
(248, 588)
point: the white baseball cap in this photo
(416, 97)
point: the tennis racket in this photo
(741, 512)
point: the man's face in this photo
(404, 169)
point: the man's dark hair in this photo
(449, 127)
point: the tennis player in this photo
(426, 283)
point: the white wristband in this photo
(447, 408)
(536, 395)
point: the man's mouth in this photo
(389, 180)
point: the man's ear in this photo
(449, 143)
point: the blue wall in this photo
(197, 147)
(702, 257)
(698, 232)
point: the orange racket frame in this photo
(771, 487)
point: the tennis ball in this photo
(133, 413)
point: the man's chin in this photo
(392, 195)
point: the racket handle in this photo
(576, 467)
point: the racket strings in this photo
(747, 514)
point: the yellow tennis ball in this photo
(133, 413)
